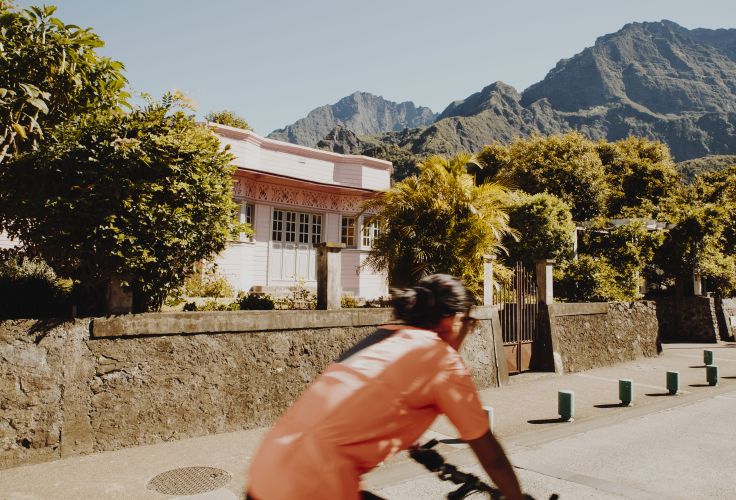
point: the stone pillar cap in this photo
(547, 261)
(489, 257)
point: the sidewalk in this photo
(525, 419)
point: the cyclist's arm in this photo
(494, 461)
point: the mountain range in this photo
(652, 79)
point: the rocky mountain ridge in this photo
(361, 112)
(653, 79)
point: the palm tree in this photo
(438, 221)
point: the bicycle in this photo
(469, 483)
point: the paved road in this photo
(688, 451)
(663, 447)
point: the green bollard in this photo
(711, 373)
(673, 382)
(707, 357)
(566, 405)
(626, 391)
(489, 411)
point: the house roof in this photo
(287, 147)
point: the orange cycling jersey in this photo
(362, 409)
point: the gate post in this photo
(543, 270)
(488, 261)
(329, 274)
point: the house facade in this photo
(293, 197)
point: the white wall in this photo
(6, 242)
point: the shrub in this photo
(211, 305)
(300, 297)
(256, 302)
(349, 302)
(30, 289)
(207, 284)
(545, 228)
(589, 279)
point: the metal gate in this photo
(517, 307)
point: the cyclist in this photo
(378, 399)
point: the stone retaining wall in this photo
(148, 378)
(687, 319)
(590, 335)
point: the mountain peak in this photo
(361, 112)
(658, 66)
(480, 101)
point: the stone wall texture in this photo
(586, 336)
(726, 309)
(687, 319)
(65, 392)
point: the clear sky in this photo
(274, 61)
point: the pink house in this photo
(295, 196)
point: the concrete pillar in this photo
(329, 274)
(544, 281)
(119, 298)
(488, 261)
(697, 283)
(575, 242)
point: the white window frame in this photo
(287, 226)
(247, 216)
(368, 231)
(350, 240)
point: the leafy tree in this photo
(628, 248)
(438, 221)
(49, 72)
(545, 228)
(640, 174)
(590, 279)
(698, 244)
(566, 166)
(720, 188)
(227, 117)
(141, 195)
(492, 161)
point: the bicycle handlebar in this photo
(469, 483)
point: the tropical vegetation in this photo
(439, 221)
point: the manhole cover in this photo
(189, 481)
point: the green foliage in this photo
(545, 228)
(211, 305)
(692, 169)
(50, 72)
(299, 297)
(640, 174)
(629, 248)
(699, 244)
(438, 221)
(717, 187)
(566, 166)
(141, 195)
(30, 288)
(590, 279)
(257, 302)
(349, 302)
(207, 283)
(227, 117)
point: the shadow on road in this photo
(546, 421)
(612, 405)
